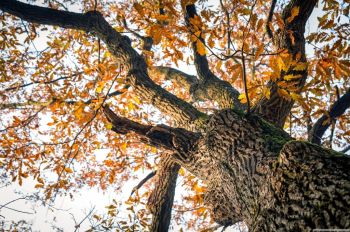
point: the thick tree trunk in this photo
(257, 174)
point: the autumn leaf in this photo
(139, 8)
(291, 77)
(68, 170)
(294, 12)
(200, 48)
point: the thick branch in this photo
(210, 86)
(181, 111)
(174, 139)
(290, 38)
(162, 197)
(185, 80)
(322, 124)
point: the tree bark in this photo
(256, 173)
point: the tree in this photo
(251, 169)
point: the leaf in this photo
(38, 186)
(200, 48)
(68, 170)
(283, 93)
(139, 8)
(242, 98)
(292, 77)
(109, 126)
(300, 66)
(294, 12)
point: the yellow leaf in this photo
(68, 170)
(181, 172)
(300, 67)
(266, 92)
(283, 93)
(296, 97)
(294, 12)
(200, 48)
(291, 77)
(242, 98)
(109, 126)
(99, 87)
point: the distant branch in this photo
(42, 82)
(269, 18)
(143, 181)
(322, 124)
(210, 86)
(291, 39)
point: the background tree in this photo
(102, 70)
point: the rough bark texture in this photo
(257, 174)
(161, 199)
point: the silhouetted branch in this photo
(322, 124)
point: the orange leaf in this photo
(294, 12)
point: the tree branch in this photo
(174, 139)
(269, 18)
(291, 38)
(161, 200)
(210, 86)
(93, 22)
(322, 124)
(185, 80)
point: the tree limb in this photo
(322, 124)
(93, 22)
(210, 86)
(269, 18)
(175, 139)
(143, 181)
(187, 81)
(291, 38)
(161, 200)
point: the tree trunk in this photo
(256, 173)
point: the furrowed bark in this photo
(210, 86)
(93, 22)
(161, 199)
(256, 173)
(189, 82)
(291, 38)
(322, 124)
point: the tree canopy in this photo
(138, 80)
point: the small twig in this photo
(143, 181)
(17, 210)
(45, 82)
(346, 149)
(245, 82)
(78, 225)
(290, 123)
(21, 198)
